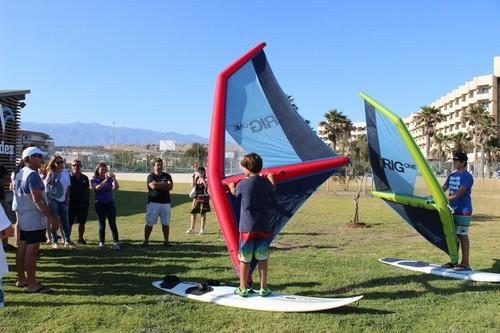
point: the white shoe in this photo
(101, 245)
(189, 231)
(202, 231)
(116, 246)
(55, 245)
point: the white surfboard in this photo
(425, 267)
(224, 295)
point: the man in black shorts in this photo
(32, 208)
(78, 199)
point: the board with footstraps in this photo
(212, 292)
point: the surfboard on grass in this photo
(224, 295)
(429, 268)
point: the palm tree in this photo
(460, 141)
(336, 128)
(442, 149)
(473, 115)
(485, 130)
(492, 152)
(428, 117)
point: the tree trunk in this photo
(475, 156)
(427, 146)
(481, 164)
(355, 217)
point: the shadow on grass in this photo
(495, 268)
(134, 202)
(303, 233)
(349, 310)
(285, 246)
(484, 218)
(87, 271)
(425, 282)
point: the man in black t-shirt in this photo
(159, 186)
(79, 195)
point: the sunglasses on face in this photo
(59, 162)
(76, 165)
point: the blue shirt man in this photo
(459, 185)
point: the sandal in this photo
(462, 268)
(264, 292)
(39, 290)
(241, 292)
(449, 265)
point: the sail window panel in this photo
(251, 121)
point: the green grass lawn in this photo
(315, 255)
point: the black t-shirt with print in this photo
(158, 196)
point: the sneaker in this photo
(70, 245)
(202, 231)
(82, 241)
(48, 241)
(265, 292)
(167, 244)
(55, 245)
(101, 245)
(116, 246)
(144, 244)
(241, 292)
(189, 231)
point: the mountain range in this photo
(94, 134)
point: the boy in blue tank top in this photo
(459, 185)
(254, 224)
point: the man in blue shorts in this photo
(254, 226)
(459, 185)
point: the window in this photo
(456, 101)
(483, 90)
(471, 94)
(463, 98)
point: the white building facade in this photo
(483, 90)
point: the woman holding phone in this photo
(104, 183)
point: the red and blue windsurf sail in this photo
(251, 107)
(404, 180)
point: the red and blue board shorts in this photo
(254, 245)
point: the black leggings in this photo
(103, 210)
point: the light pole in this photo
(113, 145)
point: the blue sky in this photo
(153, 64)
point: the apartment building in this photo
(483, 90)
(359, 128)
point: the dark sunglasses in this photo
(59, 162)
(76, 165)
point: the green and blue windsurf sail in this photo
(400, 172)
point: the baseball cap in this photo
(460, 157)
(31, 151)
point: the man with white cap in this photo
(32, 208)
